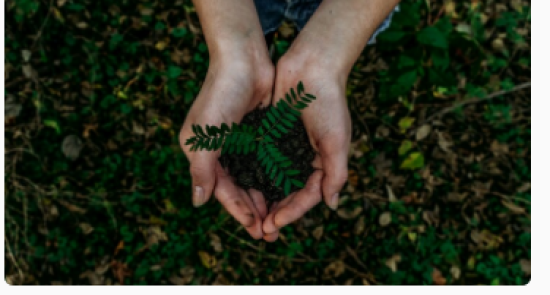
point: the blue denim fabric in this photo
(273, 12)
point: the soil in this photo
(248, 171)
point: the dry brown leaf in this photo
(513, 207)
(72, 207)
(26, 54)
(443, 142)
(86, 228)
(385, 218)
(335, 269)
(359, 226)
(349, 214)
(525, 266)
(393, 261)
(391, 195)
(318, 232)
(438, 278)
(13, 109)
(216, 243)
(423, 132)
(207, 260)
(455, 272)
(71, 147)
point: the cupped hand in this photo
(328, 124)
(232, 88)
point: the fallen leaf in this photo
(438, 278)
(443, 142)
(13, 109)
(455, 272)
(318, 232)
(385, 218)
(423, 132)
(349, 214)
(71, 207)
(413, 161)
(391, 195)
(513, 207)
(335, 269)
(392, 262)
(86, 228)
(26, 54)
(71, 147)
(525, 266)
(216, 243)
(27, 70)
(406, 123)
(207, 260)
(405, 146)
(53, 124)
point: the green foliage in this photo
(242, 139)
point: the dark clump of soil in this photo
(248, 171)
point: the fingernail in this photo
(333, 203)
(198, 196)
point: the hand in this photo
(233, 87)
(328, 124)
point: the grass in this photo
(97, 189)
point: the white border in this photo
(540, 151)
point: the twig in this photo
(355, 257)
(39, 34)
(476, 100)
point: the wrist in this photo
(314, 60)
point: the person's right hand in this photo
(234, 86)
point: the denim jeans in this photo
(273, 12)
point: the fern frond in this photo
(276, 166)
(239, 138)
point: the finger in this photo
(259, 202)
(270, 238)
(269, 227)
(238, 204)
(335, 166)
(317, 162)
(303, 201)
(203, 175)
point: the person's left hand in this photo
(328, 124)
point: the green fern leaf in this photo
(294, 97)
(280, 178)
(292, 172)
(311, 96)
(265, 123)
(297, 183)
(281, 128)
(275, 112)
(273, 172)
(271, 118)
(286, 188)
(288, 99)
(300, 105)
(276, 134)
(300, 88)
(285, 164)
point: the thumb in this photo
(334, 159)
(203, 174)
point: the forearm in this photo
(231, 26)
(339, 30)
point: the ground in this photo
(97, 190)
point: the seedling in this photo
(242, 139)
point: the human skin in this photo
(322, 57)
(241, 76)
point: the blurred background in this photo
(97, 190)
